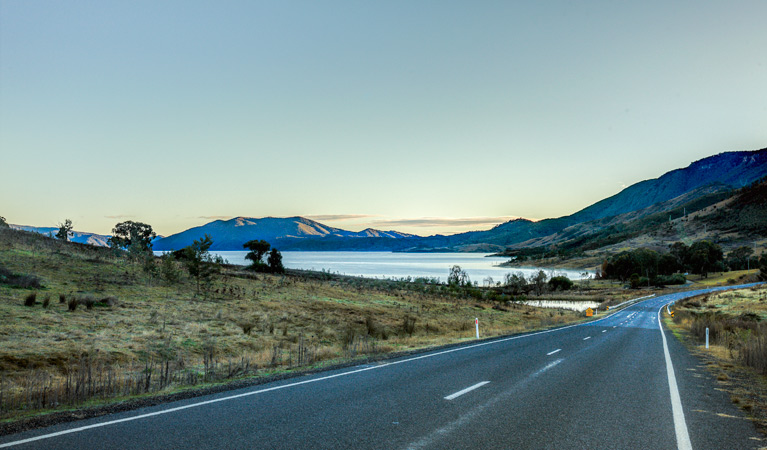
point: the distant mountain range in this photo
(700, 185)
(81, 237)
(231, 234)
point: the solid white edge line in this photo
(464, 391)
(680, 426)
(246, 394)
(555, 351)
(285, 386)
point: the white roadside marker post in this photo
(476, 324)
(706, 338)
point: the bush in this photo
(561, 283)
(408, 325)
(669, 280)
(88, 301)
(30, 299)
(19, 280)
(72, 304)
(47, 301)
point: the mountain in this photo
(718, 173)
(231, 234)
(99, 240)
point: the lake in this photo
(399, 265)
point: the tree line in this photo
(644, 266)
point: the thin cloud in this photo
(334, 217)
(430, 222)
(215, 217)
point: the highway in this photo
(618, 382)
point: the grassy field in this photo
(130, 333)
(725, 278)
(737, 353)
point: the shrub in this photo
(19, 280)
(754, 354)
(62, 298)
(408, 325)
(247, 327)
(107, 301)
(88, 301)
(72, 304)
(560, 283)
(668, 280)
(30, 299)
(46, 301)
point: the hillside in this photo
(81, 237)
(96, 316)
(730, 218)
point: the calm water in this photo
(399, 265)
(560, 304)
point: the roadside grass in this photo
(725, 278)
(737, 354)
(134, 334)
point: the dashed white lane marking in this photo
(587, 338)
(555, 351)
(604, 331)
(464, 391)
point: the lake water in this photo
(563, 304)
(399, 265)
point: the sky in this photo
(420, 116)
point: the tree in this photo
(275, 261)
(740, 258)
(705, 257)
(681, 252)
(560, 283)
(200, 264)
(136, 237)
(3, 223)
(257, 251)
(516, 282)
(458, 277)
(65, 230)
(168, 270)
(538, 281)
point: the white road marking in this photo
(680, 426)
(548, 366)
(555, 351)
(604, 331)
(285, 386)
(587, 338)
(468, 389)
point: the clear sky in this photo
(421, 116)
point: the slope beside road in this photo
(620, 382)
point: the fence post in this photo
(476, 324)
(706, 338)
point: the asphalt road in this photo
(609, 384)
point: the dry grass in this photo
(130, 323)
(737, 354)
(724, 278)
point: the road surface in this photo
(618, 382)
